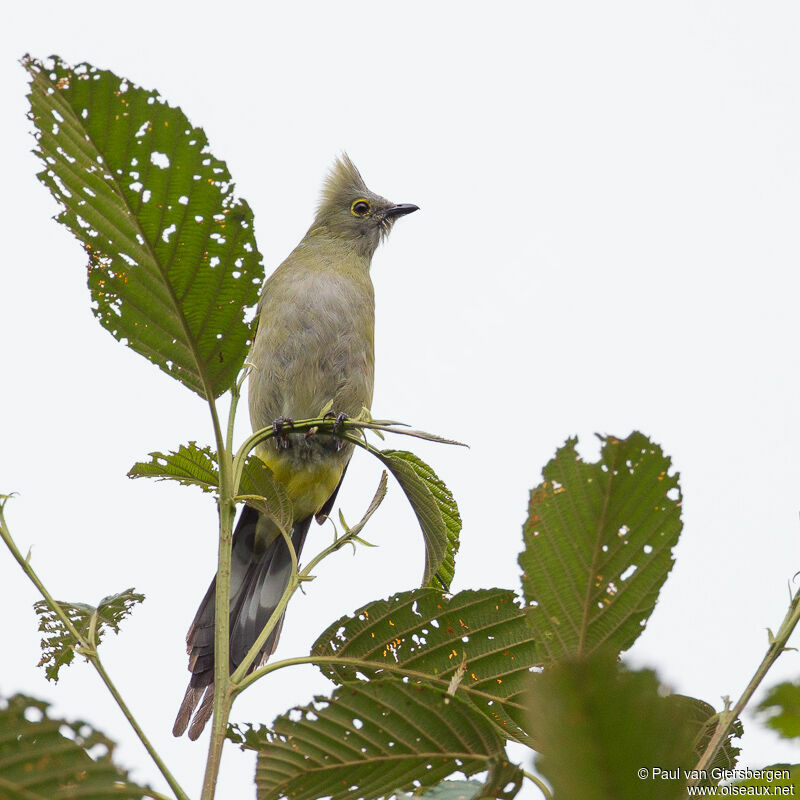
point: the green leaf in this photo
(436, 510)
(429, 635)
(173, 262)
(784, 775)
(190, 465)
(58, 644)
(377, 499)
(42, 758)
(781, 709)
(598, 545)
(197, 466)
(447, 790)
(262, 491)
(703, 717)
(371, 739)
(597, 724)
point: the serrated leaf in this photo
(703, 717)
(429, 634)
(368, 740)
(262, 491)
(39, 762)
(598, 724)
(781, 709)
(436, 511)
(598, 545)
(173, 262)
(58, 643)
(190, 465)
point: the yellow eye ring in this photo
(360, 207)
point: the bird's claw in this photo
(337, 425)
(340, 418)
(282, 439)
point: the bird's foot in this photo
(282, 439)
(337, 425)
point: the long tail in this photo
(258, 580)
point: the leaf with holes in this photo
(58, 643)
(446, 790)
(425, 635)
(368, 740)
(598, 545)
(190, 465)
(436, 511)
(173, 262)
(703, 718)
(42, 758)
(598, 723)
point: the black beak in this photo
(401, 210)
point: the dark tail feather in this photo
(258, 580)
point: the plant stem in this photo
(226, 686)
(294, 582)
(365, 664)
(88, 650)
(728, 717)
(173, 784)
(542, 786)
(222, 687)
(296, 578)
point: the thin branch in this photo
(727, 718)
(366, 664)
(222, 683)
(331, 427)
(87, 650)
(540, 784)
(294, 582)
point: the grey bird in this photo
(313, 350)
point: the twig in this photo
(539, 783)
(89, 651)
(777, 645)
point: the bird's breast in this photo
(314, 346)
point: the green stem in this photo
(236, 393)
(87, 649)
(173, 784)
(727, 718)
(222, 687)
(365, 664)
(230, 473)
(295, 579)
(326, 426)
(539, 783)
(252, 653)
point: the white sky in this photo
(607, 241)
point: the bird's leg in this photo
(281, 439)
(340, 418)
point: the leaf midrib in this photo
(594, 565)
(39, 72)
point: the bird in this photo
(313, 351)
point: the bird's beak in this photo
(400, 210)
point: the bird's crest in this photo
(344, 181)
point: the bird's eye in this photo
(359, 208)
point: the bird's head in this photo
(350, 211)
